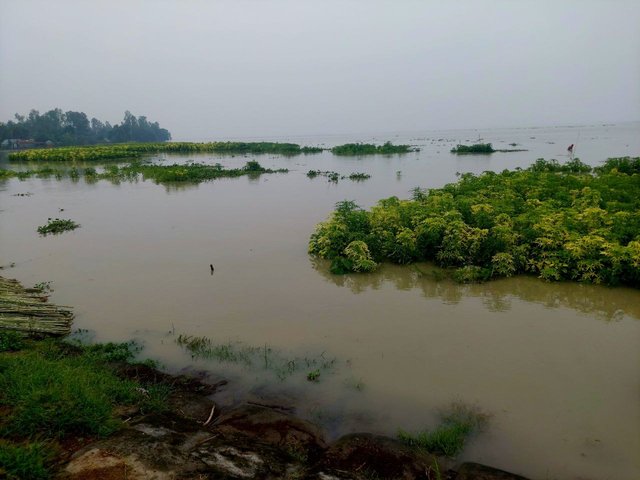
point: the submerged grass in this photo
(458, 423)
(133, 150)
(162, 174)
(335, 176)
(255, 357)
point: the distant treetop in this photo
(75, 128)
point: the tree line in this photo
(75, 128)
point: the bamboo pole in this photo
(25, 310)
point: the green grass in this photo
(55, 389)
(22, 462)
(458, 423)
(476, 148)
(351, 149)
(56, 226)
(10, 341)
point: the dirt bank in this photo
(195, 439)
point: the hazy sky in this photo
(236, 68)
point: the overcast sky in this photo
(214, 69)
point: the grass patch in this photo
(351, 149)
(313, 375)
(458, 423)
(55, 389)
(19, 462)
(10, 341)
(56, 226)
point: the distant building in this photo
(20, 143)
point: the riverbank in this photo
(165, 426)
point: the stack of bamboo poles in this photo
(26, 310)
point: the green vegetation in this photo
(262, 357)
(457, 424)
(20, 462)
(10, 341)
(57, 225)
(99, 153)
(482, 148)
(190, 172)
(313, 375)
(4, 173)
(370, 149)
(335, 176)
(358, 176)
(51, 390)
(75, 128)
(557, 221)
(476, 148)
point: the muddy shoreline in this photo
(196, 438)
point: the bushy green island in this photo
(133, 150)
(476, 148)
(482, 149)
(370, 149)
(557, 221)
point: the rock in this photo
(99, 464)
(477, 471)
(300, 439)
(373, 456)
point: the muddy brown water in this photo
(556, 365)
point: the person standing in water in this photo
(570, 150)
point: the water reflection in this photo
(609, 304)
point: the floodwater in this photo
(555, 365)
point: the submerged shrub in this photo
(358, 254)
(56, 226)
(557, 221)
